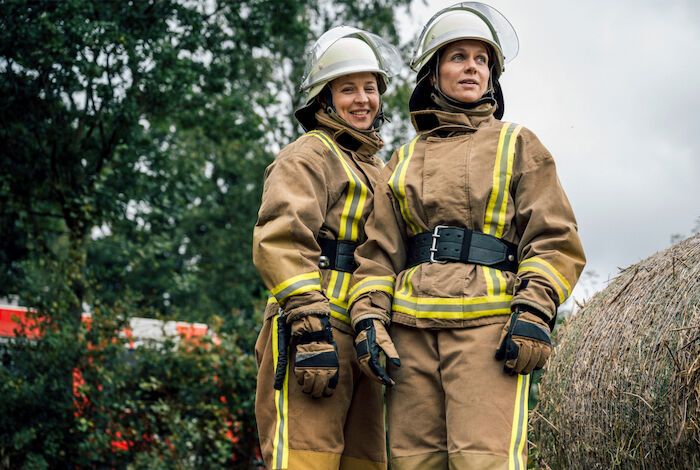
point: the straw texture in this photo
(622, 388)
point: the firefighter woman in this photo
(471, 247)
(314, 407)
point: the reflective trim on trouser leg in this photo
(280, 452)
(516, 460)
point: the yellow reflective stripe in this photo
(406, 285)
(451, 308)
(337, 293)
(380, 283)
(495, 220)
(495, 281)
(297, 285)
(397, 183)
(518, 435)
(339, 311)
(280, 441)
(356, 196)
(271, 300)
(540, 266)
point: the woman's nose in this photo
(361, 97)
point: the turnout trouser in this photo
(453, 407)
(345, 431)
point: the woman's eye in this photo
(458, 57)
(481, 59)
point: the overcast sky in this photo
(612, 89)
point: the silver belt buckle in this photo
(433, 246)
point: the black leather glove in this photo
(525, 343)
(372, 338)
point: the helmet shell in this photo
(344, 50)
(467, 20)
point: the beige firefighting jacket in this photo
(473, 171)
(318, 186)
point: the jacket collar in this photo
(364, 143)
(431, 120)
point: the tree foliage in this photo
(133, 137)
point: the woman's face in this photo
(464, 70)
(356, 98)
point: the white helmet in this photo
(340, 51)
(467, 20)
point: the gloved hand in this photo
(525, 343)
(371, 338)
(316, 360)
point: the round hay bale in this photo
(622, 388)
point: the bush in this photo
(80, 398)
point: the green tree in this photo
(133, 136)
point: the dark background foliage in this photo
(133, 138)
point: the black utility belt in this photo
(458, 244)
(337, 254)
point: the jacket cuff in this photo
(535, 309)
(310, 303)
(375, 304)
(371, 316)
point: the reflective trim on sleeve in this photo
(518, 435)
(356, 194)
(280, 441)
(540, 266)
(397, 183)
(297, 285)
(380, 283)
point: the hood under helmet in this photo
(341, 51)
(464, 20)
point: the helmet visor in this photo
(387, 55)
(502, 31)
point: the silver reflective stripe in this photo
(506, 162)
(279, 444)
(467, 308)
(338, 288)
(520, 423)
(338, 309)
(289, 289)
(280, 436)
